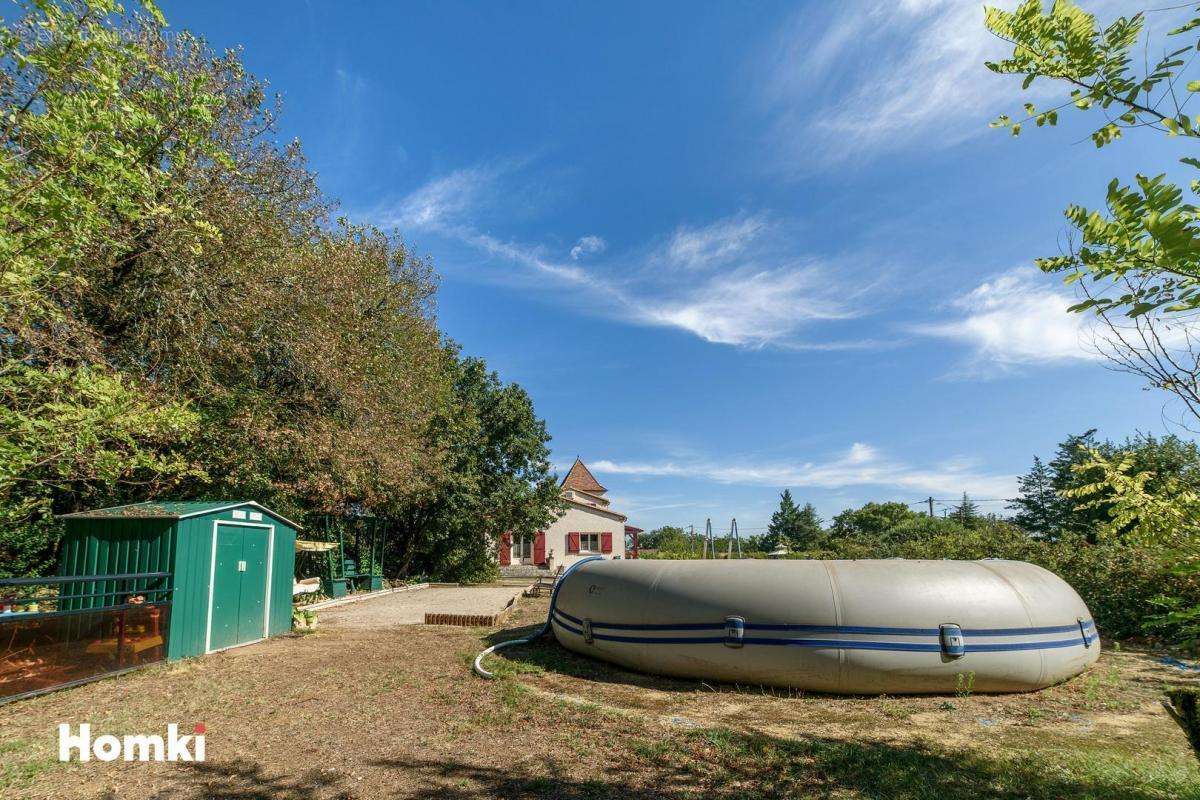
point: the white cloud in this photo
(861, 465)
(588, 245)
(748, 287)
(867, 77)
(1018, 318)
(442, 201)
(750, 306)
(715, 244)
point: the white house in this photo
(588, 526)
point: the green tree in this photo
(784, 521)
(180, 313)
(74, 437)
(1162, 512)
(1065, 468)
(797, 529)
(85, 171)
(872, 520)
(667, 539)
(808, 532)
(1137, 263)
(1038, 506)
(1165, 459)
(498, 480)
(966, 513)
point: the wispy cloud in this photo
(746, 287)
(442, 202)
(860, 465)
(751, 307)
(588, 245)
(853, 80)
(1015, 319)
(714, 244)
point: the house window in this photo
(589, 543)
(522, 548)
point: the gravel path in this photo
(409, 608)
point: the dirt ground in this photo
(409, 608)
(353, 712)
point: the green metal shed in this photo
(230, 562)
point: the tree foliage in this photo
(967, 513)
(1152, 509)
(498, 478)
(1048, 504)
(669, 539)
(1137, 262)
(796, 528)
(1037, 505)
(871, 520)
(183, 314)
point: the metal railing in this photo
(66, 630)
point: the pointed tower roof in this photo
(580, 478)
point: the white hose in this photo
(477, 667)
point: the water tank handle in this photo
(1083, 632)
(735, 631)
(951, 638)
(587, 631)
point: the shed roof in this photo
(172, 509)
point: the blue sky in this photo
(728, 248)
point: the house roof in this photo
(596, 510)
(589, 496)
(580, 478)
(171, 509)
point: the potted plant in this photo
(303, 619)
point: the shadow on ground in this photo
(713, 763)
(243, 779)
(548, 655)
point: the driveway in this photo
(410, 608)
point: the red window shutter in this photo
(606, 542)
(572, 542)
(539, 548)
(505, 549)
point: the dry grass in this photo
(349, 713)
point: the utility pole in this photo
(691, 540)
(930, 501)
(708, 545)
(733, 534)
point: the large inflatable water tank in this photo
(852, 627)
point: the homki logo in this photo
(107, 747)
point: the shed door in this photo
(251, 622)
(239, 585)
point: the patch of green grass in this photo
(389, 682)
(1104, 689)
(506, 668)
(652, 751)
(514, 695)
(17, 772)
(894, 709)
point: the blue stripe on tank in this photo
(859, 629)
(836, 644)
